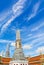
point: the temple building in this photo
(18, 57)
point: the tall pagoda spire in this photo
(18, 57)
(7, 51)
(18, 54)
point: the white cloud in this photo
(34, 10)
(17, 9)
(37, 40)
(40, 43)
(40, 49)
(5, 41)
(29, 35)
(37, 36)
(38, 27)
(40, 10)
(32, 53)
(6, 24)
(27, 46)
(2, 53)
(13, 44)
(3, 15)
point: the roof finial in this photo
(18, 35)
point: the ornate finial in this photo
(17, 34)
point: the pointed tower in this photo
(18, 57)
(18, 54)
(7, 51)
(18, 40)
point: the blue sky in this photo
(28, 17)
